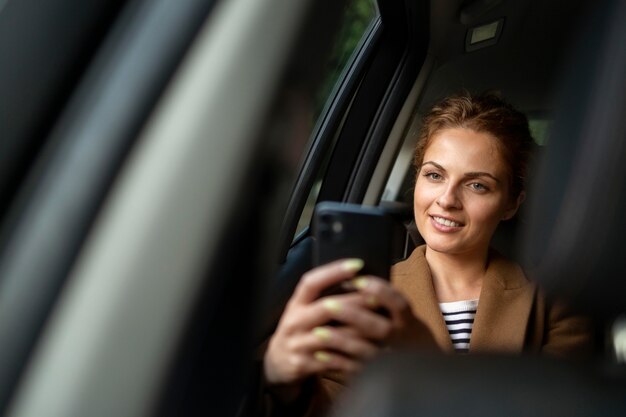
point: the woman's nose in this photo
(449, 199)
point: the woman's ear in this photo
(512, 209)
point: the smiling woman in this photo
(462, 192)
(453, 294)
(471, 159)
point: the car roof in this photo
(525, 62)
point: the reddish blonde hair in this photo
(486, 113)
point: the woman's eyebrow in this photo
(481, 174)
(433, 163)
(476, 174)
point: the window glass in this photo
(358, 19)
(539, 129)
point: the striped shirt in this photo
(459, 317)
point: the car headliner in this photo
(523, 65)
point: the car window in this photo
(540, 129)
(358, 20)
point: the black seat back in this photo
(577, 221)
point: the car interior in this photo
(524, 64)
(547, 67)
(161, 162)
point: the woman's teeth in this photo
(446, 222)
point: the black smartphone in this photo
(342, 230)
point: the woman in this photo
(451, 294)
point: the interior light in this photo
(484, 32)
(483, 35)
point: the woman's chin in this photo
(448, 247)
(442, 245)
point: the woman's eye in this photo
(433, 176)
(476, 186)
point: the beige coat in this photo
(512, 317)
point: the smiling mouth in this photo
(446, 222)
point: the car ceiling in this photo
(523, 65)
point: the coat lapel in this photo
(504, 308)
(413, 279)
(503, 312)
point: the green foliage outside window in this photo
(359, 14)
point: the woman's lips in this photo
(445, 224)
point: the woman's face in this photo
(461, 192)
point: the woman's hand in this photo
(305, 345)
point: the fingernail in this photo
(322, 332)
(352, 265)
(360, 283)
(372, 301)
(332, 305)
(322, 356)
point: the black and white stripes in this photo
(459, 317)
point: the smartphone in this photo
(342, 230)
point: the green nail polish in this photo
(322, 356)
(322, 332)
(360, 283)
(353, 265)
(332, 305)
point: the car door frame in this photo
(381, 79)
(164, 237)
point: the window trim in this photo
(394, 61)
(401, 53)
(325, 131)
